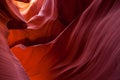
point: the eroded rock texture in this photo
(60, 40)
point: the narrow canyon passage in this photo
(59, 39)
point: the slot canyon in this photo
(59, 39)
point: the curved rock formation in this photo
(60, 39)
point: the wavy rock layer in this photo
(60, 39)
